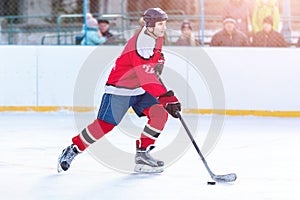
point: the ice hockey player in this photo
(133, 83)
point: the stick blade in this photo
(225, 178)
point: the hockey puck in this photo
(211, 183)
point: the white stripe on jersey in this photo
(109, 89)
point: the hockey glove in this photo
(170, 102)
(160, 65)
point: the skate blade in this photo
(59, 168)
(140, 168)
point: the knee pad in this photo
(157, 116)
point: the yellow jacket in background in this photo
(261, 11)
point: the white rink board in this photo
(18, 75)
(253, 78)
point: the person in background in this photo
(93, 36)
(104, 31)
(240, 11)
(262, 9)
(229, 36)
(268, 37)
(89, 16)
(187, 37)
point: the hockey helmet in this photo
(153, 15)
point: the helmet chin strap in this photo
(151, 33)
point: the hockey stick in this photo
(218, 178)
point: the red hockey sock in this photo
(145, 141)
(77, 141)
(92, 133)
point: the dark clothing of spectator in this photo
(110, 39)
(187, 42)
(298, 43)
(236, 39)
(271, 39)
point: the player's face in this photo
(160, 28)
(103, 27)
(186, 31)
(267, 27)
(229, 27)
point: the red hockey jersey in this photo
(133, 72)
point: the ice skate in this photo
(145, 163)
(66, 157)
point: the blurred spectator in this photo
(262, 9)
(89, 16)
(104, 30)
(268, 37)
(93, 37)
(240, 11)
(79, 38)
(229, 36)
(187, 37)
(298, 43)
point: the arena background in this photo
(57, 22)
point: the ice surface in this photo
(263, 152)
